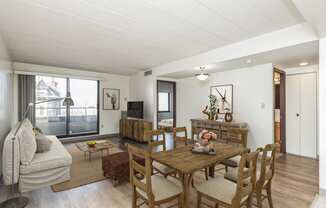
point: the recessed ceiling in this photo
(283, 58)
(126, 36)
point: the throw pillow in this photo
(43, 143)
(27, 143)
(37, 130)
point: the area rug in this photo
(83, 171)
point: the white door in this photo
(292, 114)
(308, 115)
(301, 106)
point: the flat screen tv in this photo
(135, 109)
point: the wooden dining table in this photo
(187, 163)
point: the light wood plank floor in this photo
(294, 186)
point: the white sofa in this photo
(44, 169)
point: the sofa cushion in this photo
(7, 162)
(27, 142)
(43, 143)
(57, 157)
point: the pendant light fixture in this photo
(202, 76)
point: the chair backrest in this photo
(237, 135)
(177, 138)
(154, 144)
(267, 164)
(136, 169)
(246, 177)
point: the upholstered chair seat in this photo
(212, 188)
(163, 188)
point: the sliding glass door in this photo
(56, 119)
(83, 115)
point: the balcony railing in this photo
(52, 120)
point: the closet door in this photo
(308, 114)
(293, 114)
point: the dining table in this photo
(186, 163)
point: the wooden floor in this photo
(294, 186)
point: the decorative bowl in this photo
(91, 143)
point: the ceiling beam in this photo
(290, 36)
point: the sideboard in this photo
(134, 129)
(220, 128)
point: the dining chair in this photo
(183, 139)
(153, 190)
(224, 192)
(265, 173)
(156, 143)
(177, 138)
(235, 136)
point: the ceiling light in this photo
(202, 76)
(303, 63)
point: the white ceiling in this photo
(126, 36)
(283, 58)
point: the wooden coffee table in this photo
(100, 146)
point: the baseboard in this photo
(89, 137)
(306, 157)
(322, 192)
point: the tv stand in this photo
(134, 128)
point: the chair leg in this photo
(151, 204)
(180, 201)
(198, 199)
(259, 199)
(249, 201)
(134, 198)
(206, 174)
(269, 194)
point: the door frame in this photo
(282, 108)
(68, 135)
(174, 102)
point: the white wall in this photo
(322, 114)
(109, 119)
(252, 100)
(143, 88)
(5, 95)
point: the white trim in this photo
(57, 75)
(35, 69)
(302, 70)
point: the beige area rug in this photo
(83, 171)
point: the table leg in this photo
(211, 171)
(186, 181)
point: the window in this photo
(56, 119)
(164, 102)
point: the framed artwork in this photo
(111, 99)
(224, 95)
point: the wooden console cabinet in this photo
(226, 131)
(134, 129)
